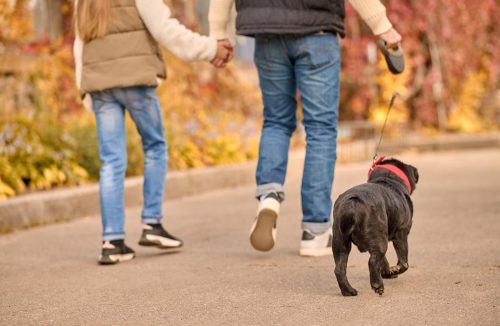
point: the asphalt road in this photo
(49, 275)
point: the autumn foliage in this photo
(211, 117)
(48, 139)
(453, 65)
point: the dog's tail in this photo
(348, 219)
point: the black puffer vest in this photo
(290, 16)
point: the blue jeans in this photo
(109, 107)
(311, 65)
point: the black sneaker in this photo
(154, 235)
(115, 251)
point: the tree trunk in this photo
(48, 19)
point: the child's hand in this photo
(225, 53)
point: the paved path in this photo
(49, 275)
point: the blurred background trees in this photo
(452, 54)
(49, 17)
(213, 117)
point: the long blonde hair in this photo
(92, 18)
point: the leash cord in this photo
(391, 104)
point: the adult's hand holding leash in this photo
(390, 45)
(391, 38)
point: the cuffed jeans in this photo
(310, 64)
(109, 107)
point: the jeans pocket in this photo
(319, 50)
(139, 98)
(98, 101)
(260, 52)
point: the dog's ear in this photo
(412, 174)
(415, 174)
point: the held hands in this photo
(225, 53)
(391, 38)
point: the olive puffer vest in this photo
(126, 56)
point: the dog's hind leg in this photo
(341, 247)
(400, 243)
(375, 264)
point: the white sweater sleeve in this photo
(373, 13)
(78, 54)
(218, 17)
(174, 36)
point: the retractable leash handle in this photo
(394, 57)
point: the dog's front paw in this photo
(398, 269)
(378, 289)
(350, 292)
(388, 274)
(394, 270)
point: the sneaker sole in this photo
(159, 242)
(115, 259)
(261, 237)
(316, 252)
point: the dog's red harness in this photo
(394, 169)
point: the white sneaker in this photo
(316, 245)
(263, 232)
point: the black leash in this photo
(396, 63)
(391, 104)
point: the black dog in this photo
(372, 214)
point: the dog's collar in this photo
(394, 169)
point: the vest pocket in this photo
(261, 51)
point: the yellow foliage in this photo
(52, 75)
(465, 116)
(8, 177)
(211, 116)
(225, 149)
(80, 172)
(429, 131)
(5, 191)
(387, 84)
(252, 147)
(14, 25)
(50, 176)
